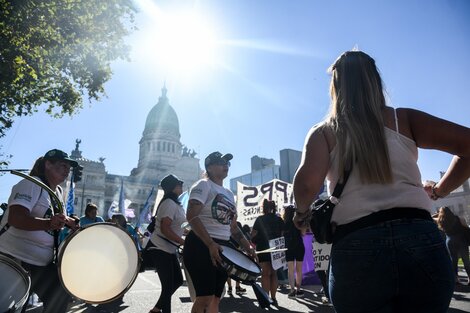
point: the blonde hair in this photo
(355, 116)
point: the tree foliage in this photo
(55, 52)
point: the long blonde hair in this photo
(355, 116)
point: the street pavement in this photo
(143, 294)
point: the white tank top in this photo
(359, 200)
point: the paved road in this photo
(144, 293)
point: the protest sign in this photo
(278, 258)
(321, 256)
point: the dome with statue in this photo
(162, 118)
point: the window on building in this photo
(158, 146)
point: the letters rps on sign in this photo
(250, 199)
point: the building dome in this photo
(162, 118)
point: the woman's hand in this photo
(302, 219)
(72, 223)
(214, 251)
(57, 222)
(252, 253)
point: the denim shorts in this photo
(396, 266)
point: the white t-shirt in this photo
(406, 191)
(171, 209)
(219, 207)
(34, 247)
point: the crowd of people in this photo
(388, 253)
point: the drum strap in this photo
(55, 209)
(4, 229)
(169, 241)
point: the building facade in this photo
(264, 170)
(160, 153)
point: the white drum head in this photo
(240, 260)
(14, 285)
(98, 263)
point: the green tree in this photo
(55, 52)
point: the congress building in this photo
(160, 153)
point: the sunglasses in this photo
(221, 162)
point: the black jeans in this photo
(171, 278)
(46, 284)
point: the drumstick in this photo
(267, 250)
(271, 250)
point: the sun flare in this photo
(179, 42)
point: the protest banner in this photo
(250, 199)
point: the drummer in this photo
(213, 219)
(30, 224)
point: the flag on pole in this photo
(70, 197)
(122, 206)
(183, 199)
(112, 209)
(145, 213)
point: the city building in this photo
(264, 170)
(160, 153)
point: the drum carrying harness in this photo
(56, 205)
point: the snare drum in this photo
(14, 285)
(98, 263)
(239, 266)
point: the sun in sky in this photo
(182, 42)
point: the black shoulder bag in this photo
(322, 210)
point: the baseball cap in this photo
(169, 182)
(56, 154)
(217, 158)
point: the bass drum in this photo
(98, 263)
(14, 285)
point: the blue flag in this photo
(183, 199)
(70, 197)
(122, 207)
(145, 213)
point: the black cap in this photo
(216, 157)
(169, 182)
(56, 154)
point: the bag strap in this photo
(340, 186)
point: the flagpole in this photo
(122, 208)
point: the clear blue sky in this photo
(267, 82)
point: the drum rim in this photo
(69, 239)
(236, 265)
(25, 275)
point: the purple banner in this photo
(309, 277)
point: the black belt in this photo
(380, 217)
